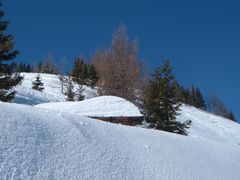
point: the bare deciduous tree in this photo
(119, 69)
(217, 107)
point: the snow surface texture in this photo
(51, 93)
(103, 106)
(43, 144)
(209, 126)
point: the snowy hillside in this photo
(51, 93)
(55, 141)
(209, 126)
(204, 125)
(43, 144)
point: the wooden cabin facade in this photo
(130, 121)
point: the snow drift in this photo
(102, 106)
(43, 144)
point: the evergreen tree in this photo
(92, 75)
(39, 67)
(160, 104)
(83, 73)
(47, 66)
(23, 67)
(231, 116)
(79, 95)
(29, 68)
(200, 102)
(85, 77)
(38, 84)
(196, 98)
(8, 79)
(70, 90)
(178, 92)
(78, 72)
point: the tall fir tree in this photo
(160, 104)
(70, 90)
(196, 98)
(92, 75)
(83, 73)
(8, 79)
(38, 84)
(78, 71)
(232, 117)
(79, 93)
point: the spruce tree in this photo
(92, 75)
(196, 98)
(38, 84)
(79, 94)
(70, 90)
(8, 79)
(160, 104)
(78, 72)
(231, 116)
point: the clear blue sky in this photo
(201, 38)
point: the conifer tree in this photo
(38, 84)
(8, 79)
(196, 98)
(83, 73)
(23, 67)
(70, 90)
(160, 104)
(78, 72)
(79, 95)
(92, 75)
(47, 66)
(231, 116)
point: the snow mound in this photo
(41, 144)
(102, 106)
(52, 92)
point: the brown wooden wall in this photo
(131, 121)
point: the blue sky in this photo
(201, 38)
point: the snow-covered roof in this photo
(103, 106)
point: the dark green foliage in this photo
(92, 75)
(192, 96)
(38, 84)
(84, 74)
(70, 90)
(47, 66)
(196, 99)
(232, 117)
(8, 79)
(160, 103)
(78, 72)
(23, 67)
(178, 90)
(79, 95)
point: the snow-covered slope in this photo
(51, 93)
(204, 125)
(102, 106)
(209, 126)
(42, 144)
